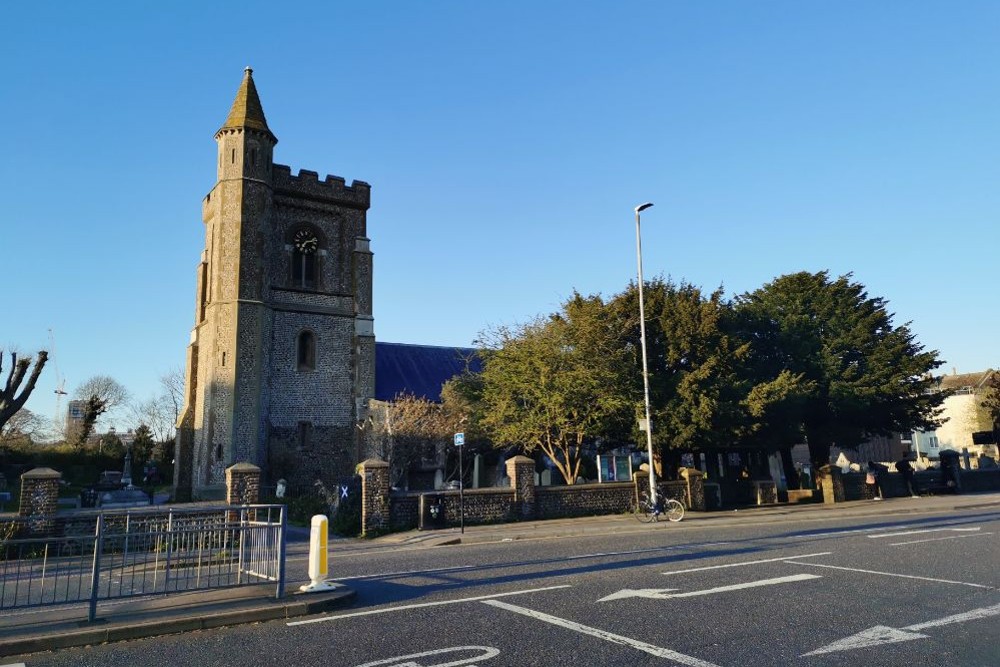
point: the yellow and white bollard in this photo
(317, 557)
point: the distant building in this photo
(74, 414)
(963, 416)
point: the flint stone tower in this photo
(281, 362)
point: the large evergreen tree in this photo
(856, 373)
(695, 364)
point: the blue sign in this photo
(459, 439)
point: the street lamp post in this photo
(645, 367)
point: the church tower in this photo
(280, 365)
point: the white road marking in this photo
(749, 562)
(881, 634)
(371, 612)
(664, 594)
(983, 612)
(14, 664)
(938, 539)
(485, 653)
(925, 530)
(749, 584)
(652, 593)
(603, 634)
(890, 574)
(403, 573)
(601, 554)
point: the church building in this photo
(281, 362)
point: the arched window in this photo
(305, 351)
(305, 266)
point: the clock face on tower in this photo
(306, 241)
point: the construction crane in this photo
(60, 390)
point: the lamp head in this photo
(642, 207)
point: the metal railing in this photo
(134, 553)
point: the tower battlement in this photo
(334, 188)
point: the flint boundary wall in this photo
(522, 501)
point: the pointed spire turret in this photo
(247, 112)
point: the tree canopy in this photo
(857, 374)
(804, 358)
(556, 383)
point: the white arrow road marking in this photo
(938, 539)
(925, 530)
(653, 593)
(881, 634)
(662, 594)
(890, 574)
(603, 634)
(485, 653)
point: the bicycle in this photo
(668, 508)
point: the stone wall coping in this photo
(139, 511)
(482, 491)
(243, 467)
(42, 473)
(590, 486)
(520, 458)
(374, 463)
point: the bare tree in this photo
(101, 394)
(21, 428)
(172, 383)
(408, 431)
(158, 416)
(12, 400)
(109, 390)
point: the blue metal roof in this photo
(420, 370)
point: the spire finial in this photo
(246, 111)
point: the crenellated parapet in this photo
(333, 189)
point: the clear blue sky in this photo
(506, 143)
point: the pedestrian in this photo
(905, 468)
(872, 480)
(949, 471)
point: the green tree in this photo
(855, 373)
(700, 386)
(142, 444)
(557, 383)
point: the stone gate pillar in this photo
(374, 496)
(242, 484)
(39, 499)
(695, 489)
(521, 471)
(832, 483)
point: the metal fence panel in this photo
(139, 553)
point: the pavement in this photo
(48, 628)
